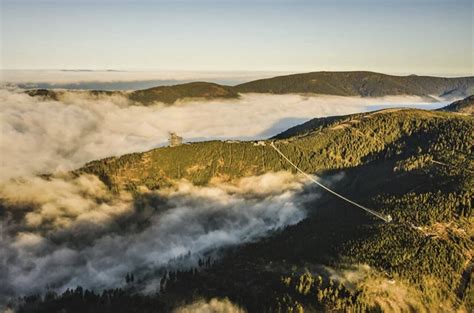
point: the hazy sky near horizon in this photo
(400, 37)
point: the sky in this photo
(399, 37)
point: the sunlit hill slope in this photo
(415, 165)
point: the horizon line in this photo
(283, 72)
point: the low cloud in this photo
(39, 136)
(64, 232)
(212, 306)
(122, 80)
(350, 276)
(377, 289)
(60, 203)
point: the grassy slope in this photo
(365, 84)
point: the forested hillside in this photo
(170, 94)
(415, 165)
(160, 94)
(343, 142)
(365, 84)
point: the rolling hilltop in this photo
(170, 94)
(364, 84)
(415, 165)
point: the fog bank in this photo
(40, 136)
(65, 232)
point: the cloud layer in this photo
(65, 232)
(48, 136)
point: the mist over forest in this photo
(98, 204)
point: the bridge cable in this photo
(385, 218)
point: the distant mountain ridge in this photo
(150, 96)
(171, 94)
(357, 83)
(361, 83)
